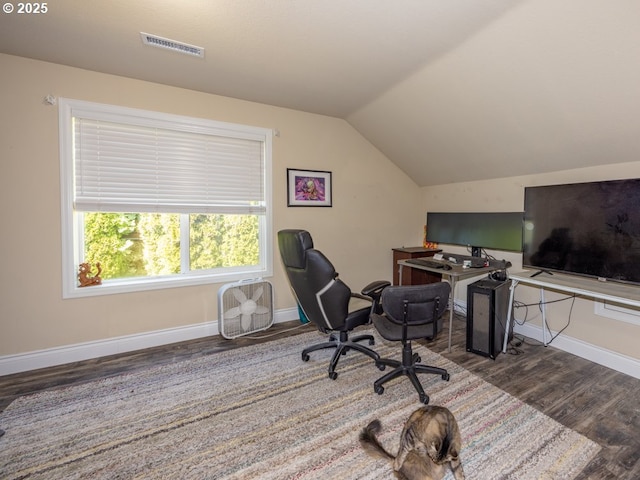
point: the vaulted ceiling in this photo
(449, 90)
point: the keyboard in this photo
(429, 263)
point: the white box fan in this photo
(245, 307)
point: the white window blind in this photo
(128, 164)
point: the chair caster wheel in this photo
(372, 342)
(445, 377)
(381, 366)
(379, 390)
(305, 357)
(333, 375)
(424, 398)
(416, 358)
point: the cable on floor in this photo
(275, 334)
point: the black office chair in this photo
(410, 313)
(325, 300)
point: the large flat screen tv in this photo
(476, 230)
(590, 229)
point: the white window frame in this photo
(622, 313)
(72, 233)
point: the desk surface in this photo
(457, 271)
(589, 287)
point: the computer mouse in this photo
(447, 267)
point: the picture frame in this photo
(309, 188)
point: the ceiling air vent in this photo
(167, 44)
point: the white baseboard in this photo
(602, 356)
(23, 362)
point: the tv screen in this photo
(590, 229)
(478, 230)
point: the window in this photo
(623, 313)
(161, 200)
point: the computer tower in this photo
(487, 306)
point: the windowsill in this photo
(114, 287)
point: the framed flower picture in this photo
(308, 188)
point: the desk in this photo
(413, 276)
(587, 287)
(457, 272)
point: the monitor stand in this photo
(541, 271)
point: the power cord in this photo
(280, 332)
(540, 306)
(514, 350)
(566, 326)
(459, 309)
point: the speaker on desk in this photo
(487, 306)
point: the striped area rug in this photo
(259, 412)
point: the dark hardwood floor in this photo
(600, 403)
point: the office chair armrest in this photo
(374, 289)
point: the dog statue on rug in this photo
(430, 440)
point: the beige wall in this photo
(507, 194)
(376, 206)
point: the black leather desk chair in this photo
(325, 299)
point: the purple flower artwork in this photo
(310, 189)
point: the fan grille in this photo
(245, 308)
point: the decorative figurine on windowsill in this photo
(85, 278)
